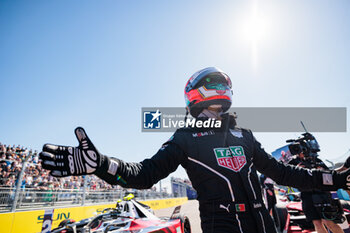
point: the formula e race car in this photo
(128, 216)
(289, 216)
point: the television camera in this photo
(306, 144)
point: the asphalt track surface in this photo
(190, 209)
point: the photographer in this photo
(345, 166)
(309, 198)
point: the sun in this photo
(254, 30)
(255, 25)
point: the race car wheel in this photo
(185, 222)
(187, 225)
(280, 217)
(66, 222)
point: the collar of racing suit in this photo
(228, 119)
(206, 113)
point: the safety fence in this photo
(35, 199)
(19, 197)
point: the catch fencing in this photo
(29, 199)
(22, 198)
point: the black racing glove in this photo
(71, 161)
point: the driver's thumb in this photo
(82, 137)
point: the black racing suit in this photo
(221, 164)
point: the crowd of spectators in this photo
(39, 187)
(11, 162)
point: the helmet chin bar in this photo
(196, 109)
(215, 107)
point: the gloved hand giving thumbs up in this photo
(71, 161)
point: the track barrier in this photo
(32, 221)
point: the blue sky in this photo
(96, 63)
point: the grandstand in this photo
(25, 185)
(182, 188)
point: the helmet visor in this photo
(212, 80)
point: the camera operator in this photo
(308, 198)
(345, 166)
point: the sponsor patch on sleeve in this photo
(327, 179)
(113, 166)
(236, 133)
(240, 207)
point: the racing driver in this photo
(221, 162)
